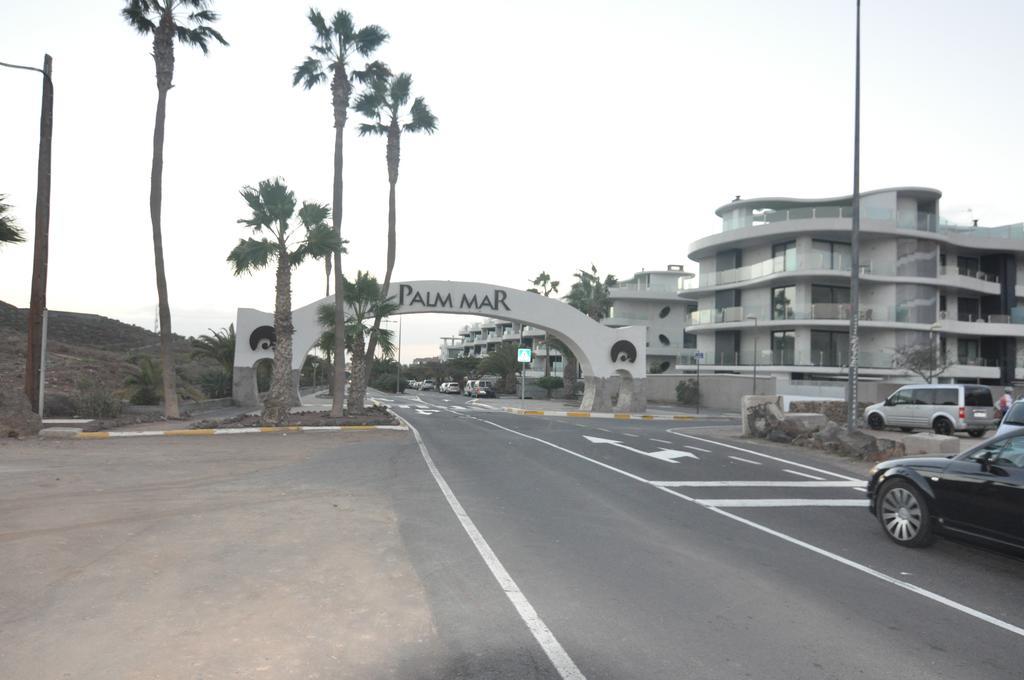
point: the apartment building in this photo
(774, 288)
(653, 299)
(482, 338)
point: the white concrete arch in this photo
(603, 352)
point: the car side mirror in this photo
(888, 402)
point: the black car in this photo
(979, 493)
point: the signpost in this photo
(524, 356)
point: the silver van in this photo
(945, 409)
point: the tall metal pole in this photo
(851, 414)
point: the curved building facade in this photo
(774, 288)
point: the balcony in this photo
(816, 312)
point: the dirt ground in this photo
(272, 556)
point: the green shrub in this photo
(386, 382)
(687, 392)
(216, 384)
(93, 400)
(551, 382)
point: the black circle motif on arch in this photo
(663, 339)
(623, 351)
(262, 338)
(664, 312)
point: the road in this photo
(604, 548)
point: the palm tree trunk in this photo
(327, 268)
(393, 156)
(155, 200)
(357, 388)
(569, 371)
(278, 402)
(340, 94)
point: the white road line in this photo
(561, 660)
(824, 484)
(762, 455)
(630, 435)
(804, 474)
(602, 429)
(696, 448)
(660, 441)
(905, 585)
(783, 502)
(744, 460)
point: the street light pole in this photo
(851, 412)
(41, 246)
(398, 379)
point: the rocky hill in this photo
(82, 347)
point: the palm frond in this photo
(309, 73)
(368, 39)
(343, 26)
(251, 255)
(203, 16)
(136, 12)
(218, 346)
(422, 119)
(314, 214)
(370, 101)
(321, 241)
(375, 70)
(278, 201)
(372, 129)
(10, 232)
(401, 85)
(323, 31)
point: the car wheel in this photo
(976, 433)
(906, 429)
(904, 514)
(943, 426)
(876, 421)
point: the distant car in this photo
(450, 388)
(484, 389)
(943, 408)
(1013, 420)
(979, 493)
(427, 385)
(470, 388)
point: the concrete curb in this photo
(585, 414)
(74, 433)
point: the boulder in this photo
(858, 445)
(780, 436)
(16, 416)
(889, 448)
(927, 443)
(754, 407)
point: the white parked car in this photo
(1014, 419)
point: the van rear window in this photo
(946, 397)
(977, 396)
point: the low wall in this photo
(717, 391)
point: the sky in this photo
(570, 133)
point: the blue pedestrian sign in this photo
(525, 355)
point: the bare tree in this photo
(927, 360)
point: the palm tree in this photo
(543, 285)
(272, 205)
(144, 381)
(384, 102)
(365, 302)
(188, 22)
(335, 45)
(592, 296)
(218, 346)
(10, 232)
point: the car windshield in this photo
(1015, 416)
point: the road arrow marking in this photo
(667, 455)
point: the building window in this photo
(784, 256)
(783, 348)
(830, 255)
(829, 348)
(830, 302)
(782, 302)
(967, 351)
(689, 341)
(967, 309)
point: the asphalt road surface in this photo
(599, 548)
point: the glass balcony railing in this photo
(815, 312)
(902, 219)
(950, 270)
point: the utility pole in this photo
(851, 392)
(40, 256)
